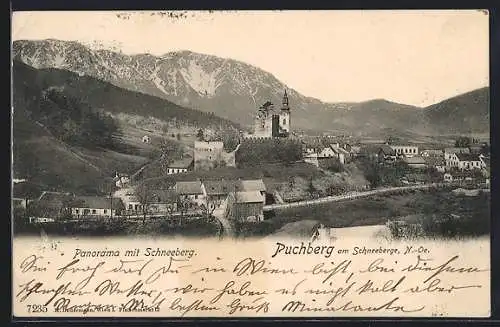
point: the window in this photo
(105, 211)
(94, 211)
(76, 210)
(130, 207)
(284, 121)
(196, 197)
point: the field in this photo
(378, 210)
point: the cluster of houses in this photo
(317, 155)
(239, 200)
(455, 163)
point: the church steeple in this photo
(285, 102)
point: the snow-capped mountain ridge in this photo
(182, 76)
(228, 88)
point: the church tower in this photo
(284, 122)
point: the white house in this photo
(180, 166)
(121, 180)
(327, 152)
(468, 161)
(405, 150)
(95, 206)
(450, 157)
(191, 191)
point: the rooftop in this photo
(182, 163)
(248, 197)
(252, 185)
(96, 202)
(468, 157)
(414, 160)
(188, 188)
(219, 187)
(457, 150)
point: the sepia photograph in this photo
(268, 127)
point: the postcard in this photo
(231, 164)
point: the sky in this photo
(412, 57)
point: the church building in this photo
(271, 124)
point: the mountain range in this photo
(234, 90)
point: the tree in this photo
(392, 140)
(311, 189)
(209, 208)
(463, 142)
(144, 195)
(183, 206)
(200, 135)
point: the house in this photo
(468, 161)
(190, 191)
(386, 153)
(406, 150)
(121, 180)
(416, 162)
(51, 205)
(211, 154)
(95, 206)
(252, 185)
(326, 152)
(245, 206)
(180, 166)
(450, 155)
(217, 191)
(341, 154)
(162, 201)
(131, 203)
(460, 176)
(146, 139)
(355, 150)
(436, 162)
(431, 153)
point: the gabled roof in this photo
(414, 160)
(457, 150)
(219, 187)
(468, 157)
(248, 197)
(252, 185)
(432, 151)
(181, 163)
(188, 188)
(96, 202)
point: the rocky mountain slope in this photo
(233, 89)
